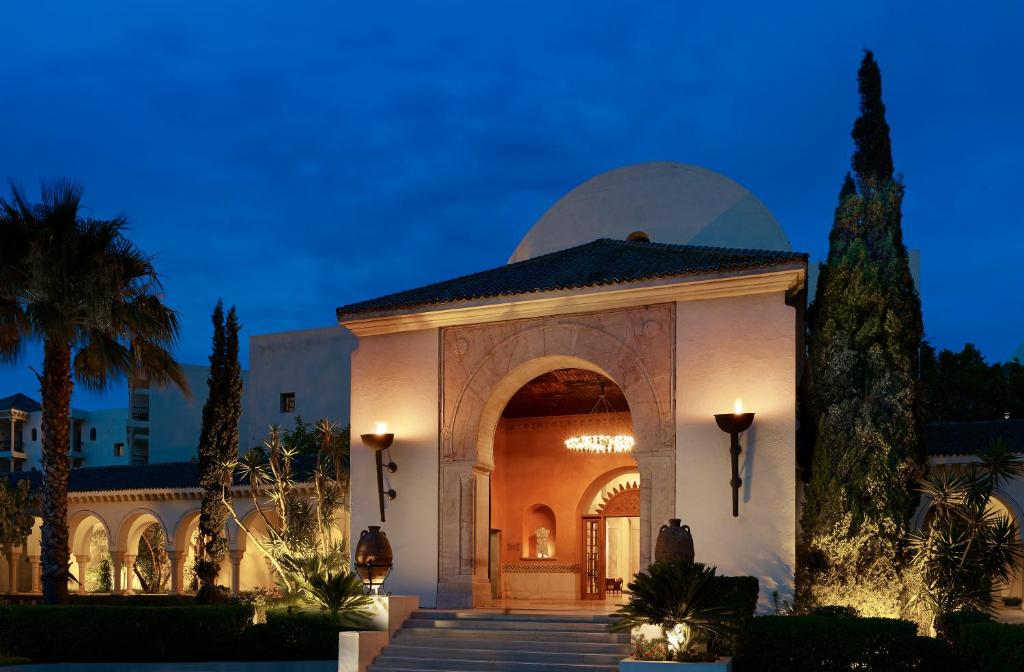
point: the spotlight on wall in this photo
(734, 424)
(379, 441)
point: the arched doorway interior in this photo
(610, 542)
(539, 488)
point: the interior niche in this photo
(539, 532)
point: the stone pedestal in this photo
(83, 571)
(358, 649)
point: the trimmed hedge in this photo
(85, 633)
(988, 647)
(294, 635)
(948, 625)
(805, 643)
(746, 587)
(136, 600)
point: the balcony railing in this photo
(140, 413)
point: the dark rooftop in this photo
(20, 402)
(970, 438)
(159, 476)
(601, 262)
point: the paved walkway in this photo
(283, 666)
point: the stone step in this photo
(429, 639)
(537, 635)
(505, 624)
(483, 652)
(392, 663)
(542, 617)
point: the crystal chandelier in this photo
(600, 443)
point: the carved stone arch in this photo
(483, 366)
(76, 533)
(129, 530)
(624, 500)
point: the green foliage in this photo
(133, 600)
(16, 507)
(218, 448)
(95, 302)
(991, 647)
(13, 660)
(966, 547)
(806, 643)
(687, 601)
(152, 565)
(103, 576)
(316, 580)
(949, 624)
(123, 633)
(860, 397)
(962, 386)
(299, 528)
(291, 634)
(642, 648)
(834, 611)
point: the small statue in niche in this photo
(541, 533)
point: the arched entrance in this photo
(537, 548)
(484, 366)
(610, 546)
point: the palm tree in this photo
(95, 302)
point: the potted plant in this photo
(684, 600)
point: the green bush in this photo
(948, 626)
(804, 643)
(835, 611)
(292, 634)
(991, 647)
(136, 600)
(746, 588)
(87, 633)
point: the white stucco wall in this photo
(311, 363)
(727, 348)
(175, 420)
(110, 429)
(395, 380)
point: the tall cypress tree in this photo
(218, 445)
(861, 395)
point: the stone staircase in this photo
(441, 640)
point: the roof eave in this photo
(784, 277)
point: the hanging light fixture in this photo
(600, 443)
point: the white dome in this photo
(669, 202)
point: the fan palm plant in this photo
(685, 601)
(95, 302)
(966, 546)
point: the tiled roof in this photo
(969, 438)
(601, 262)
(159, 476)
(20, 402)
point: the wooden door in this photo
(592, 567)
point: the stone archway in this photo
(482, 366)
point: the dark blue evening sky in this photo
(293, 157)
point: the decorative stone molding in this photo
(541, 567)
(571, 423)
(483, 365)
(623, 501)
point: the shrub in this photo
(799, 643)
(835, 611)
(745, 588)
(947, 626)
(290, 634)
(86, 633)
(988, 647)
(137, 600)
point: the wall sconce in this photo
(733, 424)
(378, 442)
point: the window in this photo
(35, 435)
(287, 402)
(92, 434)
(118, 450)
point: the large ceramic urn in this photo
(373, 557)
(674, 543)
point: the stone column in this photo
(13, 560)
(83, 570)
(236, 570)
(116, 565)
(177, 571)
(129, 574)
(657, 499)
(33, 560)
(464, 535)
